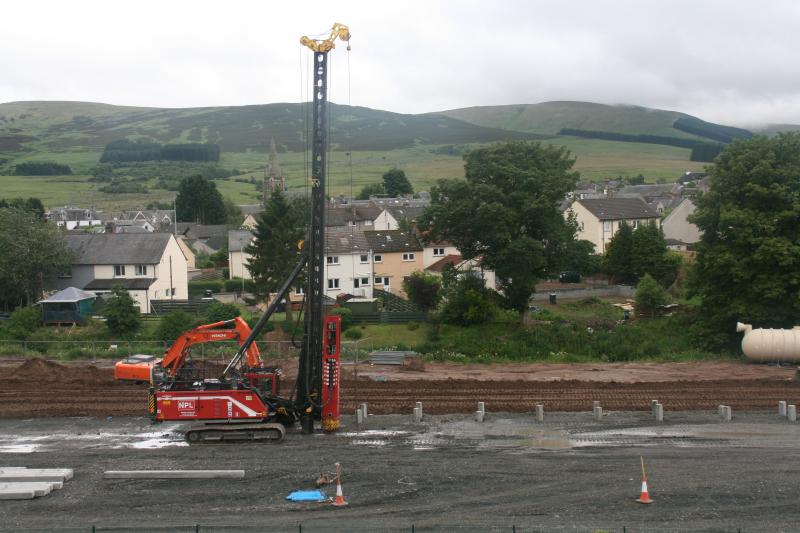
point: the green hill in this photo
(774, 129)
(550, 118)
(75, 126)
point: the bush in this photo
(23, 322)
(173, 324)
(122, 314)
(423, 289)
(353, 334)
(469, 302)
(346, 314)
(219, 311)
(235, 285)
(412, 326)
(197, 288)
(649, 295)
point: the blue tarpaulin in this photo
(307, 496)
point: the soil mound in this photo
(41, 370)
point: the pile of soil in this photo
(43, 371)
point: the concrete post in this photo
(791, 413)
(479, 416)
(419, 405)
(659, 412)
(359, 416)
(781, 408)
(727, 414)
(482, 407)
(598, 413)
(721, 411)
(540, 412)
(595, 403)
(417, 414)
(653, 404)
(364, 410)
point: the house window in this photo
(364, 258)
(382, 280)
(635, 224)
(333, 283)
(299, 291)
(438, 252)
(365, 281)
(408, 257)
(360, 282)
(141, 270)
(66, 274)
(367, 222)
(119, 270)
(607, 226)
(333, 259)
(377, 258)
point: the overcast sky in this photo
(731, 61)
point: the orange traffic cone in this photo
(339, 501)
(645, 496)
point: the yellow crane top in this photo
(339, 31)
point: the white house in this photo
(74, 218)
(238, 240)
(151, 266)
(678, 231)
(599, 218)
(435, 251)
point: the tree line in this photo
(41, 168)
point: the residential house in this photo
(395, 255)
(202, 238)
(348, 262)
(599, 218)
(360, 216)
(160, 220)
(660, 197)
(681, 235)
(150, 266)
(464, 266)
(435, 251)
(74, 217)
(238, 240)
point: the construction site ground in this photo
(570, 473)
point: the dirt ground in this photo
(449, 473)
(40, 388)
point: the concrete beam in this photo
(66, 472)
(33, 475)
(173, 474)
(39, 489)
(17, 494)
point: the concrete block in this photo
(32, 476)
(39, 489)
(417, 414)
(653, 404)
(791, 413)
(359, 416)
(598, 413)
(17, 494)
(418, 404)
(479, 416)
(173, 474)
(482, 407)
(540, 412)
(659, 412)
(364, 410)
(781, 408)
(727, 413)
(721, 411)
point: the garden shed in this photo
(69, 306)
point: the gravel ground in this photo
(447, 473)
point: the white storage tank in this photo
(770, 344)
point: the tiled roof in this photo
(345, 240)
(117, 248)
(238, 239)
(392, 241)
(618, 208)
(439, 265)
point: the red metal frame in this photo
(331, 372)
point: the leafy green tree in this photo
(468, 302)
(371, 189)
(395, 183)
(173, 324)
(618, 259)
(233, 214)
(199, 201)
(122, 313)
(506, 213)
(218, 311)
(651, 256)
(274, 251)
(346, 314)
(34, 205)
(33, 250)
(748, 259)
(649, 295)
(23, 322)
(423, 289)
